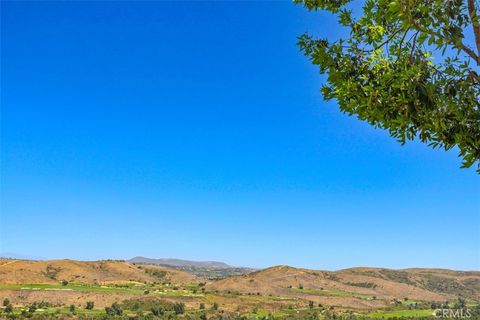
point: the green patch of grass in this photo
(103, 289)
(71, 287)
(177, 293)
(423, 313)
(262, 314)
(334, 293)
(60, 310)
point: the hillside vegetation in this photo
(95, 272)
(61, 286)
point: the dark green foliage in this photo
(114, 310)
(157, 306)
(179, 308)
(90, 305)
(362, 284)
(397, 276)
(405, 67)
(32, 307)
(157, 311)
(8, 308)
(445, 285)
(156, 273)
(64, 282)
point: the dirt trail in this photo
(10, 262)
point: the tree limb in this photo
(476, 25)
(470, 52)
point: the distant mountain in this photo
(212, 270)
(181, 263)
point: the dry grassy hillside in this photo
(272, 288)
(96, 272)
(414, 284)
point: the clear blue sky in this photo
(196, 130)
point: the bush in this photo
(6, 302)
(179, 308)
(90, 305)
(8, 308)
(64, 282)
(114, 310)
(157, 311)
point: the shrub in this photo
(114, 310)
(157, 311)
(8, 308)
(90, 305)
(179, 308)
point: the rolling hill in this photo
(275, 288)
(367, 283)
(87, 272)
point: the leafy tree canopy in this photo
(407, 67)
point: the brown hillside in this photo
(386, 284)
(96, 272)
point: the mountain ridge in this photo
(179, 262)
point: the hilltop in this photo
(87, 272)
(369, 283)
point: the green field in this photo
(333, 293)
(407, 313)
(136, 290)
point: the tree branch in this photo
(470, 52)
(388, 40)
(476, 25)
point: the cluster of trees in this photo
(157, 309)
(407, 67)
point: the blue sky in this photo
(196, 130)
